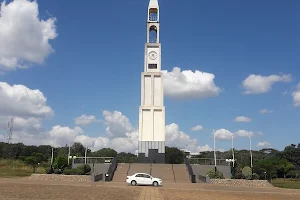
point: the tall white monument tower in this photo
(152, 110)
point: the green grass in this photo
(16, 168)
(287, 183)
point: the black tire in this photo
(133, 183)
(155, 183)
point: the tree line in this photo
(267, 163)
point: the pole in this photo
(215, 151)
(69, 154)
(51, 158)
(232, 151)
(251, 159)
(85, 155)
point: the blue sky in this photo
(98, 59)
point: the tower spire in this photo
(153, 4)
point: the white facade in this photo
(152, 110)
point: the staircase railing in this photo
(111, 170)
(190, 170)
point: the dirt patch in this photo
(170, 194)
(10, 191)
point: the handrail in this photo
(111, 170)
(190, 170)
(208, 161)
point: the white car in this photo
(143, 179)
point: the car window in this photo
(146, 176)
(139, 175)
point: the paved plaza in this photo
(21, 188)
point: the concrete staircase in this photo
(163, 171)
(169, 173)
(121, 172)
(138, 168)
(181, 173)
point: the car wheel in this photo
(133, 183)
(155, 183)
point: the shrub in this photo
(239, 176)
(215, 175)
(85, 168)
(247, 172)
(293, 174)
(60, 162)
(57, 171)
(255, 176)
(74, 171)
(49, 171)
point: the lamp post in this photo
(72, 157)
(232, 150)
(85, 154)
(215, 157)
(251, 158)
(69, 153)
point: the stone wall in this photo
(60, 177)
(241, 183)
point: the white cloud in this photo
(257, 84)
(27, 107)
(197, 128)
(18, 100)
(265, 111)
(223, 134)
(296, 96)
(117, 124)
(244, 133)
(187, 84)
(24, 38)
(243, 119)
(177, 138)
(85, 120)
(263, 145)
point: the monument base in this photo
(151, 152)
(152, 158)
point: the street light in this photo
(215, 151)
(72, 157)
(69, 153)
(232, 150)
(251, 158)
(85, 154)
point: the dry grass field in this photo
(22, 188)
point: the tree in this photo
(215, 174)
(105, 152)
(285, 166)
(34, 160)
(247, 172)
(174, 155)
(60, 162)
(292, 154)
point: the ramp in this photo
(181, 173)
(121, 172)
(138, 168)
(163, 171)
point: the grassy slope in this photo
(16, 168)
(287, 183)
